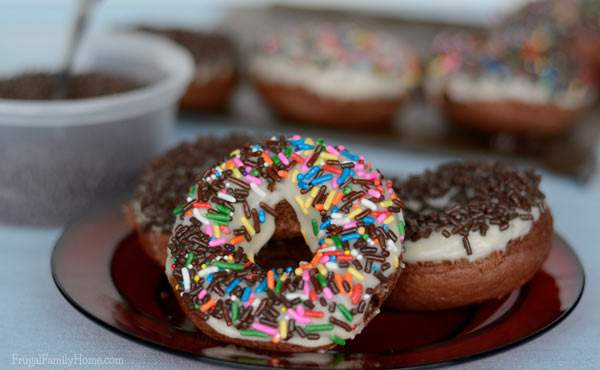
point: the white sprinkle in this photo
(340, 221)
(354, 252)
(186, 279)
(226, 197)
(292, 296)
(360, 257)
(367, 203)
(391, 245)
(366, 297)
(328, 249)
(332, 266)
(337, 215)
(197, 214)
(257, 190)
(370, 242)
(208, 270)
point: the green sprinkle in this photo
(196, 306)
(315, 226)
(254, 333)
(337, 340)
(322, 280)
(235, 310)
(275, 159)
(188, 259)
(218, 217)
(229, 266)
(255, 172)
(318, 327)
(178, 210)
(346, 189)
(278, 286)
(320, 141)
(221, 208)
(192, 192)
(347, 314)
(337, 241)
(401, 228)
(287, 151)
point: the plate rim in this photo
(115, 209)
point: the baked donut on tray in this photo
(349, 216)
(474, 231)
(163, 186)
(339, 75)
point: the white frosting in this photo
(336, 81)
(463, 88)
(438, 248)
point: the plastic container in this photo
(59, 157)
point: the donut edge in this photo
(210, 96)
(153, 242)
(444, 285)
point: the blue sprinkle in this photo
(375, 268)
(262, 286)
(325, 225)
(334, 209)
(261, 216)
(246, 294)
(232, 285)
(322, 179)
(347, 154)
(312, 172)
(350, 236)
(209, 278)
(368, 220)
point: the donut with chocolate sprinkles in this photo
(164, 183)
(350, 218)
(474, 231)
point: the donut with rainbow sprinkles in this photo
(350, 218)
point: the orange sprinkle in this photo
(319, 206)
(271, 280)
(337, 198)
(314, 314)
(317, 257)
(188, 212)
(236, 240)
(208, 305)
(348, 278)
(312, 295)
(267, 159)
(283, 174)
(356, 293)
(339, 283)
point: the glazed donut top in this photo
(467, 210)
(527, 64)
(165, 180)
(350, 218)
(340, 60)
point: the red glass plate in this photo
(99, 268)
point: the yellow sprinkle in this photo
(250, 257)
(235, 153)
(309, 141)
(283, 309)
(347, 252)
(203, 266)
(294, 175)
(237, 173)
(196, 278)
(386, 203)
(283, 276)
(283, 329)
(328, 156)
(248, 226)
(314, 191)
(354, 213)
(217, 231)
(355, 273)
(396, 262)
(298, 271)
(308, 153)
(329, 199)
(389, 220)
(322, 269)
(361, 230)
(222, 166)
(177, 286)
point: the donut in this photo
(216, 74)
(474, 231)
(163, 184)
(337, 75)
(588, 34)
(349, 216)
(490, 84)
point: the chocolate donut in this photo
(334, 75)
(350, 218)
(522, 79)
(163, 184)
(216, 67)
(474, 231)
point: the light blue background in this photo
(35, 319)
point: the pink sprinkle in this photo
(225, 229)
(283, 158)
(250, 300)
(381, 217)
(324, 259)
(264, 328)
(341, 148)
(296, 137)
(297, 317)
(374, 193)
(238, 162)
(334, 183)
(208, 229)
(359, 166)
(332, 150)
(306, 289)
(201, 294)
(216, 242)
(300, 310)
(253, 179)
(304, 167)
(327, 292)
(305, 276)
(350, 225)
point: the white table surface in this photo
(35, 320)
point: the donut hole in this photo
(282, 253)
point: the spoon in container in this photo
(84, 10)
